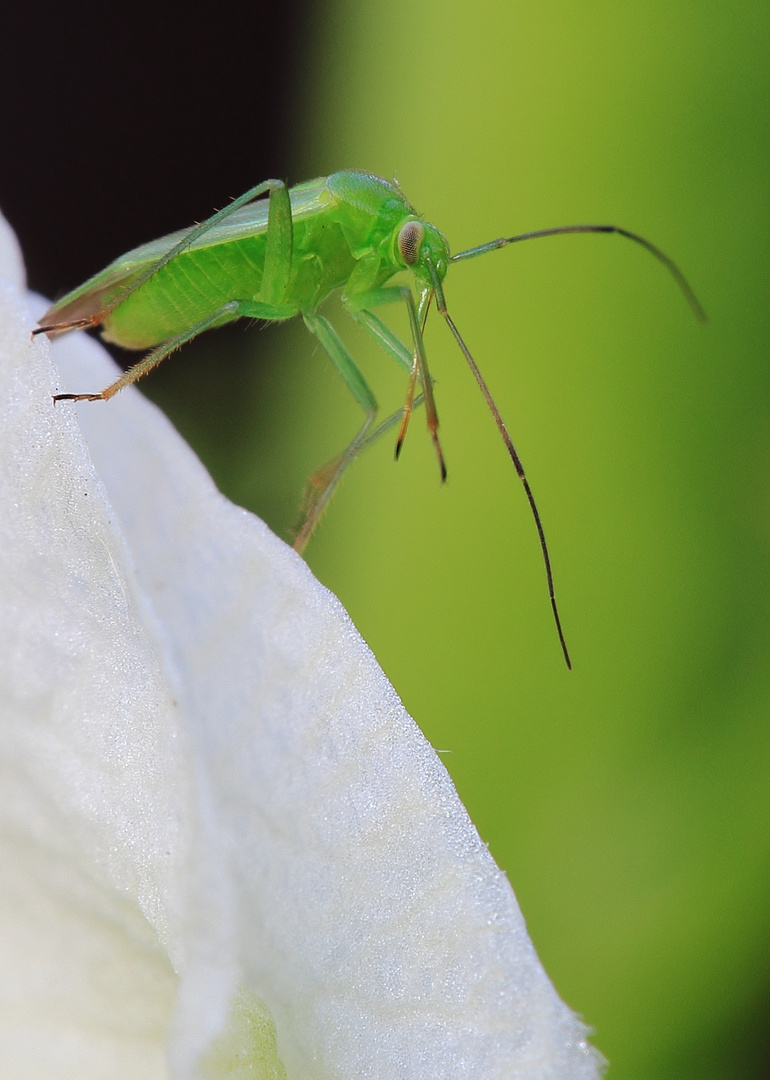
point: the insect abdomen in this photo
(185, 291)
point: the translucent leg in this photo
(321, 485)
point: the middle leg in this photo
(323, 482)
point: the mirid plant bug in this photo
(283, 256)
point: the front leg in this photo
(357, 306)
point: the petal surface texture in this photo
(210, 792)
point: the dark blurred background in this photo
(120, 123)
(629, 801)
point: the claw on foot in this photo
(77, 397)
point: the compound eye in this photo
(410, 238)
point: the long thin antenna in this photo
(661, 256)
(441, 305)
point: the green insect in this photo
(283, 256)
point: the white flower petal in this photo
(205, 771)
(93, 784)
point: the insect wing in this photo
(92, 296)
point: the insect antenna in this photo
(441, 305)
(670, 265)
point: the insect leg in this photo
(234, 309)
(322, 483)
(227, 313)
(394, 347)
(358, 304)
(279, 244)
(383, 335)
(386, 425)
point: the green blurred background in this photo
(629, 800)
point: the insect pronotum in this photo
(283, 256)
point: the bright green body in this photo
(283, 256)
(272, 259)
(344, 231)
